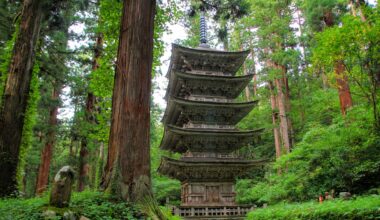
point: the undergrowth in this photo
(92, 205)
(358, 208)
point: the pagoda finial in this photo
(203, 30)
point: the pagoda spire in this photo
(203, 30)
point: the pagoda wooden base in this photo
(213, 212)
(208, 194)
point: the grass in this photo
(365, 207)
(93, 205)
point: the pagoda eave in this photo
(188, 59)
(206, 170)
(180, 111)
(180, 140)
(182, 84)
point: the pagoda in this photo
(200, 123)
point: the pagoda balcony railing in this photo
(212, 211)
(210, 155)
(210, 99)
(209, 126)
(212, 73)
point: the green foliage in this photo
(8, 11)
(93, 205)
(165, 188)
(358, 208)
(356, 44)
(29, 122)
(5, 59)
(343, 156)
(168, 213)
(17, 209)
(317, 11)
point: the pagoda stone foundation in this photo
(200, 124)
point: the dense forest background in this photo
(317, 79)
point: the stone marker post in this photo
(61, 190)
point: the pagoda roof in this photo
(200, 170)
(188, 59)
(180, 111)
(182, 84)
(180, 140)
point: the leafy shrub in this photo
(93, 205)
(165, 188)
(359, 208)
(14, 209)
(344, 156)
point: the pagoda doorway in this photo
(212, 194)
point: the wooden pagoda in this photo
(200, 123)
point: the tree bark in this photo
(99, 164)
(16, 94)
(47, 152)
(345, 98)
(246, 90)
(276, 133)
(281, 102)
(254, 73)
(84, 166)
(128, 162)
(255, 85)
(287, 106)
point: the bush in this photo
(165, 188)
(344, 156)
(13, 209)
(360, 208)
(93, 205)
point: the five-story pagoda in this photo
(200, 120)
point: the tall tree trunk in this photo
(248, 95)
(276, 133)
(246, 90)
(84, 166)
(253, 68)
(47, 152)
(283, 105)
(281, 102)
(255, 85)
(99, 165)
(301, 42)
(345, 98)
(287, 105)
(128, 161)
(16, 94)
(279, 113)
(225, 38)
(254, 72)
